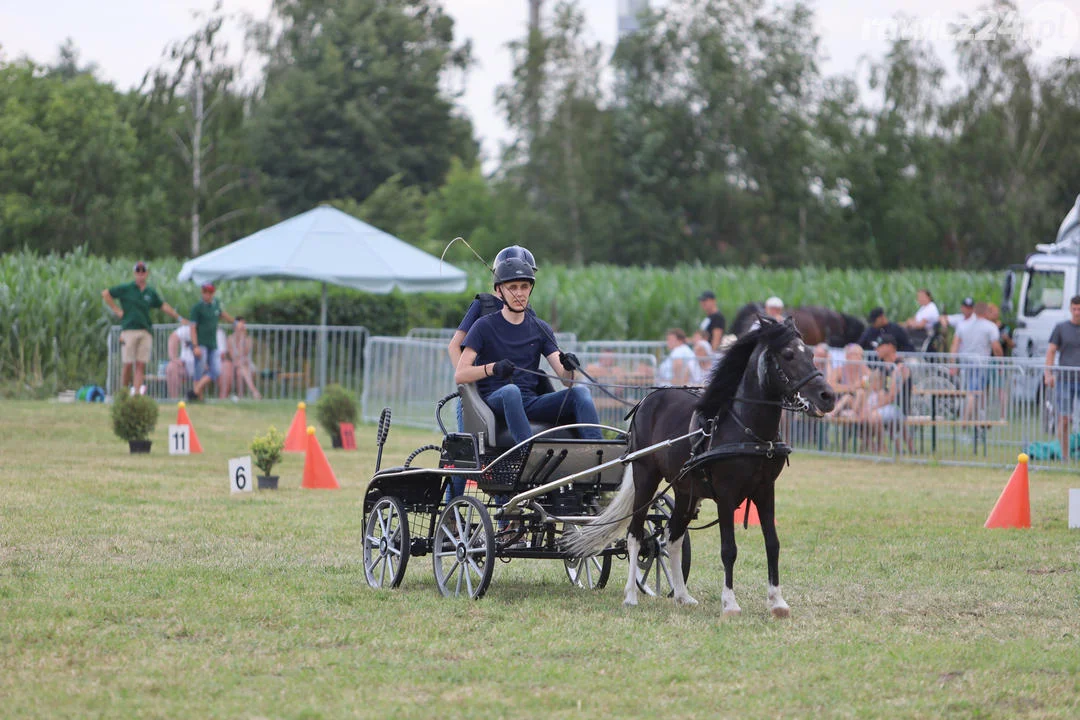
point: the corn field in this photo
(609, 302)
(53, 323)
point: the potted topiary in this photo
(134, 419)
(267, 449)
(335, 406)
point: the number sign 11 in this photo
(179, 440)
(240, 479)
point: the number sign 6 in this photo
(240, 474)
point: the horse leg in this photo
(676, 529)
(636, 532)
(728, 553)
(633, 546)
(774, 602)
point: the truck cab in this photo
(1043, 288)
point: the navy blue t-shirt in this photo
(493, 339)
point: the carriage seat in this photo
(478, 417)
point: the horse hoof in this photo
(629, 603)
(687, 600)
(781, 612)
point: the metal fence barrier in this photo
(409, 375)
(657, 348)
(284, 359)
(954, 410)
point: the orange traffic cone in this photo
(296, 438)
(318, 475)
(183, 419)
(1013, 508)
(740, 512)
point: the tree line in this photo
(710, 135)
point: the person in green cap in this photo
(204, 325)
(136, 298)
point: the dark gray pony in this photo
(764, 371)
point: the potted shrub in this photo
(336, 405)
(266, 450)
(134, 418)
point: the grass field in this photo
(136, 586)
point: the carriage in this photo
(520, 500)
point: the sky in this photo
(124, 38)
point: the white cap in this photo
(774, 302)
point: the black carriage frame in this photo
(518, 504)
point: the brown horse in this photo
(822, 325)
(815, 324)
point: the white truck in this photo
(1043, 288)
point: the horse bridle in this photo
(793, 400)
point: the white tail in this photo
(609, 524)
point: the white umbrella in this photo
(330, 246)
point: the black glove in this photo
(569, 361)
(502, 369)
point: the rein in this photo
(603, 386)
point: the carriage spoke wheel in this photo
(654, 561)
(386, 543)
(464, 548)
(589, 573)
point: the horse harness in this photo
(703, 452)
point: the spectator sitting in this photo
(880, 325)
(822, 361)
(181, 367)
(240, 346)
(926, 316)
(897, 377)
(680, 367)
(891, 393)
(847, 379)
(228, 367)
(774, 308)
(606, 369)
(874, 407)
(704, 352)
(874, 399)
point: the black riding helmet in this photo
(512, 269)
(516, 251)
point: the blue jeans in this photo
(208, 363)
(575, 403)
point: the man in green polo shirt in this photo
(204, 325)
(136, 298)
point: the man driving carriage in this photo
(501, 354)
